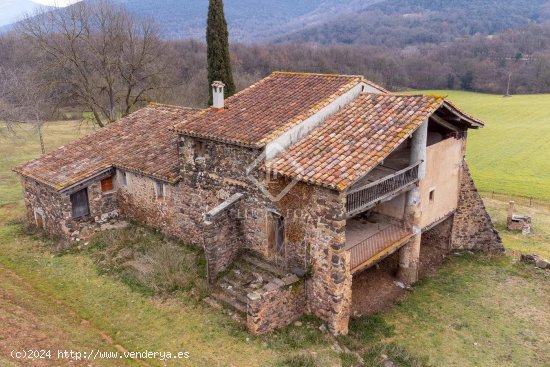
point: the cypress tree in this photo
(217, 40)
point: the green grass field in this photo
(512, 153)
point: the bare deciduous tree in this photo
(24, 100)
(99, 55)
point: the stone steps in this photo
(260, 264)
(234, 292)
(229, 301)
(248, 274)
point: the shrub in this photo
(299, 360)
(377, 356)
(298, 337)
(148, 262)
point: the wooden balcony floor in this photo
(369, 241)
(358, 228)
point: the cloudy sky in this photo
(55, 2)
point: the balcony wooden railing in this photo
(367, 196)
(377, 246)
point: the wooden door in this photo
(79, 201)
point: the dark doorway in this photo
(79, 201)
(276, 234)
(280, 235)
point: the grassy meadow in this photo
(478, 310)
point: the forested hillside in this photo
(401, 23)
(388, 23)
(248, 20)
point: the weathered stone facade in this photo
(314, 229)
(56, 208)
(178, 214)
(222, 242)
(473, 228)
(275, 307)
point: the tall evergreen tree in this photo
(217, 40)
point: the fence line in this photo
(518, 199)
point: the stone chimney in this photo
(217, 95)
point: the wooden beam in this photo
(438, 221)
(87, 181)
(442, 122)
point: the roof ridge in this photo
(153, 103)
(317, 74)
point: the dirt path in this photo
(31, 320)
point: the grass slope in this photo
(135, 321)
(512, 153)
(477, 311)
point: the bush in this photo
(298, 361)
(298, 337)
(381, 352)
(348, 359)
(148, 262)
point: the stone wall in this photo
(179, 214)
(473, 228)
(314, 230)
(57, 208)
(435, 245)
(275, 306)
(222, 242)
(48, 203)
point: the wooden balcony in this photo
(368, 195)
(370, 242)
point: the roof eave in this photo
(472, 122)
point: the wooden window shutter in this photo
(107, 184)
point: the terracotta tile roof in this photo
(262, 112)
(140, 142)
(354, 140)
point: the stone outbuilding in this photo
(293, 187)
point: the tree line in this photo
(97, 57)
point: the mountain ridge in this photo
(389, 23)
(13, 10)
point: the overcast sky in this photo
(55, 2)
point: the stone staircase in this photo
(248, 274)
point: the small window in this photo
(159, 188)
(39, 217)
(432, 195)
(107, 184)
(79, 202)
(123, 178)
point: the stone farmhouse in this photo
(293, 187)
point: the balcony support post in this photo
(409, 255)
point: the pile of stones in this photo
(536, 260)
